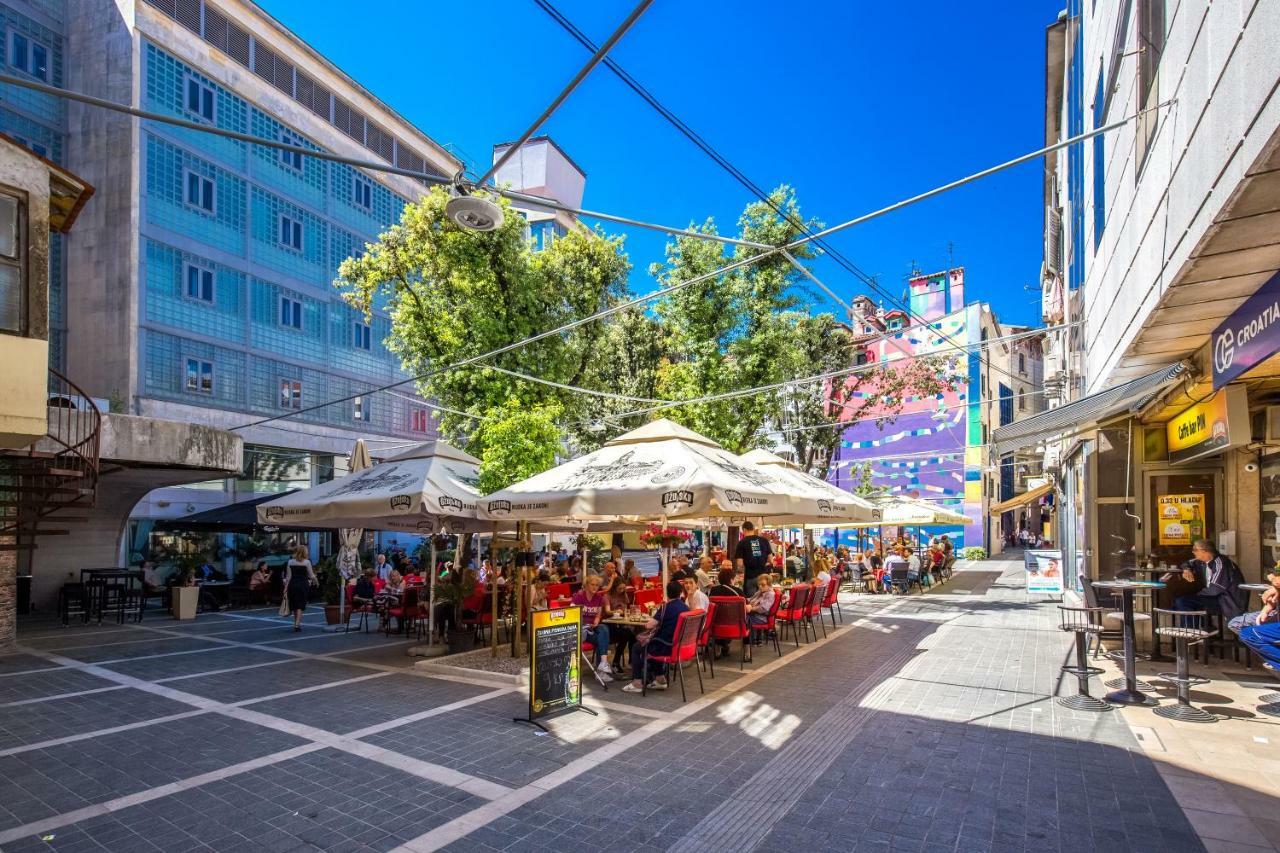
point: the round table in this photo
(1256, 587)
(1130, 694)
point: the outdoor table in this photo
(1130, 695)
(626, 621)
(221, 590)
(1256, 587)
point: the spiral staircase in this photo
(42, 486)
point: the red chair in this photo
(729, 622)
(648, 596)
(684, 648)
(477, 603)
(795, 614)
(817, 595)
(557, 590)
(407, 611)
(378, 584)
(832, 602)
(363, 610)
(704, 638)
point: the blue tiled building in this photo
(201, 276)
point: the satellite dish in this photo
(474, 213)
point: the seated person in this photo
(1270, 611)
(389, 596)
(364, 591)
(724, 588)
(1221, 579)
(662, 631)
(760, 605)
(539, 601)
(703, 572)
(595, 607)
(151, 581)
(260, 581)
(693, 596)
(1264, 640)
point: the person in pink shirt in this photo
(595, 606)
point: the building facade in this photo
(1162, 243)
(203, 274)
(934, 447)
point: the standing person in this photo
(595, 606)
(752, 556)
(299, 577)
(380, 567)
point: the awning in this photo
(1087, 411)
(1029, 496)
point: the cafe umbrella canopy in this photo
(662, 471)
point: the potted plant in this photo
(183, 592)
(331, 589)
(452, 593)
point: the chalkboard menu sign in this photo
(555, 682)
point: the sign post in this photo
(555, 664)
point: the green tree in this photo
(453, 294)
(516, 444)
(730, 332)
(819, 344)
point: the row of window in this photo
(200, 380)
(202, 103)
(201, 193)
(200, 287)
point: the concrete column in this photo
(1244, 511)
(8, 594)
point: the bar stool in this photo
(1084, 622)
(1183, 627)
(72, 601)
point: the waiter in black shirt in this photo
(752, 557)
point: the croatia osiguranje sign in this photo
(1249, 336)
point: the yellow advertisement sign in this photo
(554, 675)
(1206, 428)
(1181, 519)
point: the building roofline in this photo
(924, 275)
(543, 138)
(328, 64)
(83, 189)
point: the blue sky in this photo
(856, 104)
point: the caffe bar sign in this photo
(1249, 336)
(1209, 427)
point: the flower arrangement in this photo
(664, 537)
(587, 542)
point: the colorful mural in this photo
(932, 449)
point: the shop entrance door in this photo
(1182, 506)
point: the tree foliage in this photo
(454, 294)
(516, 444)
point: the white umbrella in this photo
(834, 504)
(348, 562)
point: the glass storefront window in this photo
(1270, 488)
(1114, 461)
(1176, 548)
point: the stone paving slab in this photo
(52, 683)
(327, 800)
(59, 779)
(18, 665)
(25, 724)
(217, 657)
(507, 752)
(125, 651)
(346, 709)
(290, 674)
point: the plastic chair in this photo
(704, 638)
(684, 648)
(407, 611)
(648, 596)
(832, 602)
(1183, 627)
(899, 580)
(558, 590)
(794, 614)
(729, 622)
(363, 611)
(817, 595)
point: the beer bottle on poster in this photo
(571, 683)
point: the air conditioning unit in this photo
(1272, 434)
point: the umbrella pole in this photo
(431, 592)
(783, 540)
(664, 556)
(493, 594)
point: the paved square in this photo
(923, 723)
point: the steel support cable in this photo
(559, 99)
(370, 165)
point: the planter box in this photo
(185, 601)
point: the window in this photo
(199, 376)
(199, 283)
(1099, 165)
(13, 272)
(290, 394)
(895, 323)
(1151, 27)
(360, 335)
(290, 312)
(29, 55)
(362, 192)
(292, 159)
(357, 409)
(860, 358)
(290, 233)
(419, 419)
(200, 191)
(200, 100)
(1022, 363)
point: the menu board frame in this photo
(555, 655)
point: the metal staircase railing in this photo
(57, 473)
